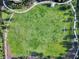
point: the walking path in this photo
(9, 55)
(5, 34)
(34, 4)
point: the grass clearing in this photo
(39, 30)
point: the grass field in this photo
(39, 30)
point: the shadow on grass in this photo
(68, 41)
(70, 37)
(67, 44)
(68, 20)
(59, 58)
(64, 7)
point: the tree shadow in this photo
(64, 7)
(68, 20)
(65, 29)
(78, 25)
(67, 44)
(59, 58)
(70, 37)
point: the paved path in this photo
(6, 46)
(35, 3)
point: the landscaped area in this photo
(48, 31)
(43, 29)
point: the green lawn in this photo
(39, 30)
